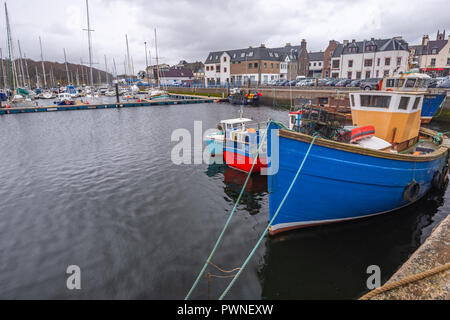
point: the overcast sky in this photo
(188, 30)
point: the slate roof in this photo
(258, 53)
(316, 56)
(380, 45)
(434, 44)
(178, 73)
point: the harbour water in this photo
(98, 189)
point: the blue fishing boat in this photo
(346, 178)
(431, 105)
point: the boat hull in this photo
(431, 104)
(215, 146)
(243, 162)
(338, 185)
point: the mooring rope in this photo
(405, 281)
(208, 261)
(271, 222)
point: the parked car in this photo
(322, 82)
(332, 82)
(292, 83)
(444, 84)
(370, 84)
(354, 84)
(434, 83)
(281, 83)
(343, 83)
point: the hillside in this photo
(58, 70)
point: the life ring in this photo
(389, 90)
(411, 192)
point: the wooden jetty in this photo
(175, 99)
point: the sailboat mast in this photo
(43, 64)
(157, 60)
(12, 65)
(22, 71)
(90, 43)
(106, 70)
(38, 82)
(28, 73)
(3, 69)
(115, 69)
(67, 67)
(128, 55)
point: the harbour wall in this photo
(282, 96)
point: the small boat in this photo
(238, 97)
(47, 95)
(215, 141)
(157, 93)
(244, 146)
(64, 99)
(416, 82)
(382, 163)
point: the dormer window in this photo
(250, 54)
(370, 48)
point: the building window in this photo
(335, 64)
(399, 61)
(256, 65)
(320, 64)
(378, 62)
(433, 61)
(350, 63)
(212, 68)
(278, 65)
(386, 73)
(271, 65)
(368, 62)
(250, 65)
(367, 74)
(265, 65)
(378, 73)
(225, 70)
(358, 75)
(349, 75)
(434, 51)
(387, 61)
(207, 68)
(218, 68)
(224, 59)
(448, 61)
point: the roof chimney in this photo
(250, 47)
(303, 45)
(288, 44)
(345, 42)
(263, 45)
(353, 40)
(425, 40)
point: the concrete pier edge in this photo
(433, 253)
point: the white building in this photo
(370, 58)
(217, 68)
(316, 61)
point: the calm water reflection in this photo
(97, 189)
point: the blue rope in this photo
(229, 218)
(270, 224)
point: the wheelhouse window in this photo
(373, 101)
(416, 103)
(410, 83)
(404, 102)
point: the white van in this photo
(300, 78)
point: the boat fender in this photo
(438, 180)
(411, 191)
